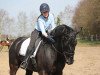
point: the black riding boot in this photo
(29, 52)
(30, 49)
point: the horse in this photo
(51, 58)
(6, 42)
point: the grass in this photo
(88, 43)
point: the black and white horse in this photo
(50, 58)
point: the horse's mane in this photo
(61, 30)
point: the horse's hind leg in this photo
(44, 73)
(13, 69)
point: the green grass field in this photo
(88, 43)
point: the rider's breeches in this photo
(31, 49)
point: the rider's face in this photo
(45, 14)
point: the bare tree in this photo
(7, 26)
(32, 21)
(66, 16)
(22, 23)
(22, 26)
(3, 17)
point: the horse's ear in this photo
(80, 29)
(76, 32)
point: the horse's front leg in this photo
(29, 72)
(44, 73)
(58, 73)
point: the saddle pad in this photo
(24, 47)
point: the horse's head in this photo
(69, 43)
(66, 38)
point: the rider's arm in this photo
(41, 26)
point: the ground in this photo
(87, 62)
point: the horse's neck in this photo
(58, 45)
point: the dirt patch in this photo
(87, 62)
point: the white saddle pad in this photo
(24, 47)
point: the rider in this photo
(45, 23)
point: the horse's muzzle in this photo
(69, 61)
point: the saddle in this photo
(25, 45)
(37, 45)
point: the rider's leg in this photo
(30, 49)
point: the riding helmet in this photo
(44, 7)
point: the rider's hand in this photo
(50, 39)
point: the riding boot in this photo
(27, 58)
(24, 64)
(33, 60)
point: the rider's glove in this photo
(50, 39)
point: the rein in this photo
(62, 49)
(56, 49)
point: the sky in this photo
(31, 7)
(13, 7)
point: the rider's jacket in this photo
(44, 25)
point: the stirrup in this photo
(24, 64)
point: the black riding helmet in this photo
(44, 7)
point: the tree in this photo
(66, 16)
(32, 21)
(58, 21)
(26, 24)
(22, 24)
(87, 15)
(7, 24)
(3, 18)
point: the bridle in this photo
(65, 36)
(62, 48)
(70, 54)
